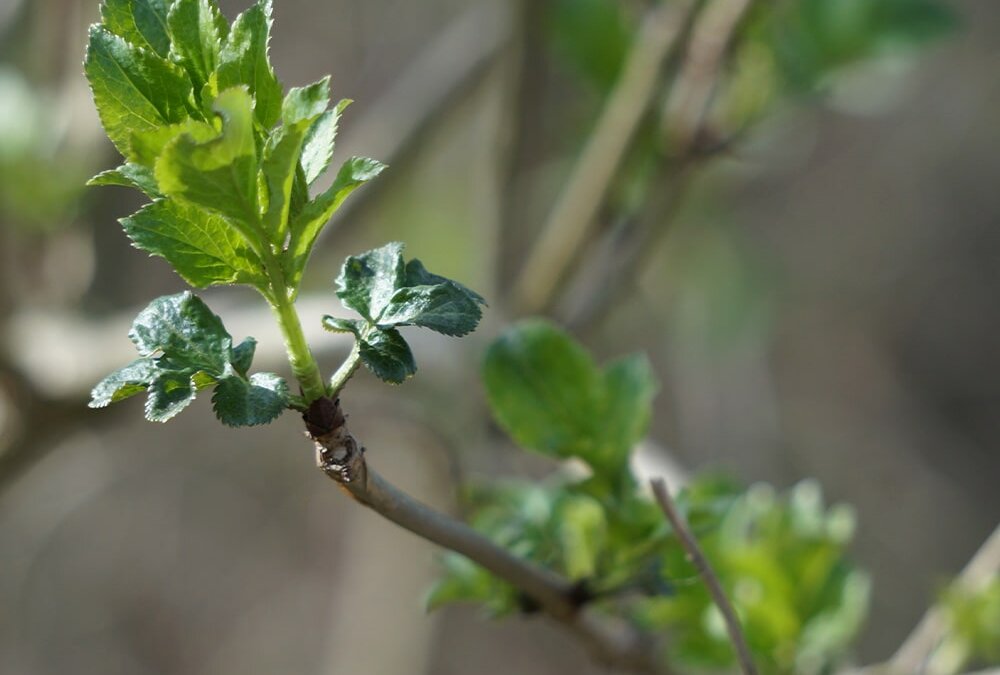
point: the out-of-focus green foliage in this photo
(780, 557)
(40, 182)
(974, 626)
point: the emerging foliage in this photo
(388, 292)
(183, 347)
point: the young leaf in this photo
(242, 403)
(202, 247)
(318, 147)
(306, 226)
(145, 147)
(139, 22)
(243, 60)
(197, 30)
(548, 394)
(221, 174)
(184, 348)
(377, 285)
(134, 89)
(129, 175)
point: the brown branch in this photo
(571, 220)
(708, 576)
(342, 459)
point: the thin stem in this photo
(565, 232)
(343, 460)
(707, 574)
(346, 370)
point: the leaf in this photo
(318, 147)
(243, 60)
(238, 402)
(368, 281)
(123, 383)
(444, 308)
(134, 89)
(548, 394)
(129, 175)
(386, 354)
(219, 175)
(202, 247)
(142, 23)
(197, 30)
(306, 226)
(281, 156)
(582, 530)
(184, 348)
(145, 147)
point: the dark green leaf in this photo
(307, 225)
(417, 275)
(134, 89)
(119, 385)
(243, 355)
(185, 331)
(202, 247)
(241, 403)
(368, 281)
(338, 325)
(129, 175)
(445, 308)
(197, 30)
(142, 23)
(243, 60)
(169, 393)
(386, 354)
(221, 174)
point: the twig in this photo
(925, 638)
(566, 231)
(343, 460)
(705, 570)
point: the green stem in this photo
(346, 370)
(303, 363)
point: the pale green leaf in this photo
(318, 148)
(145, 147)
(134, 89)
(306, 226)
(142, 23)
(129, 175)
(306, 103)
(221, 174)
(202, 247)
(197, 30)
(243, 60)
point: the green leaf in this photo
(306, 103)
(197, 30)
(318, 148)
(221, 174)
(243, 355)
(445, 308)
(129, 175)
(134, 89)
(243, 60)
(145, 147)
(123, 383)
(142, 23)
(202, 247)
(548, 394)
(184, 348)
(184, 331)
(284, 148)
(582, 531)
(386, 354)
(368, 281)
(306, 226)
(241, 403)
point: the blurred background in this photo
(802, 236)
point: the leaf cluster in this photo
(389, 292)
(781, 558)
(207, 132)
(183, 348)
